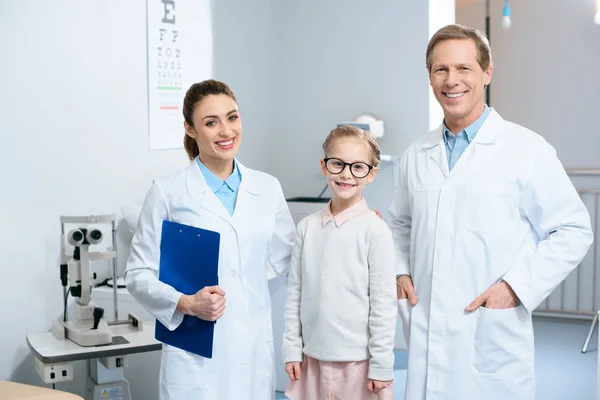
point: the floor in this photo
(562, 371)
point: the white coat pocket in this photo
(503, 342)
(404, 309)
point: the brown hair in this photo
(449, 32)
(349, 131)
(196, 93)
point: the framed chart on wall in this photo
(179, 35)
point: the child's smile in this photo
(345, 185)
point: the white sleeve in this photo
(562, 222)
(141, 274)
(292, 336)
(400, 224)
(282, 238)
(383, 306)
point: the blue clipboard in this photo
(189, 261)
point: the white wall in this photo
(244, 51)
(74, 131)
(546, 72)
(336, 60)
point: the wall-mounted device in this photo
(368, 123)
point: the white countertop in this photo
(48, 349)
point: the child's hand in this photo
(376, 386)
(379, 214)
(293, 370)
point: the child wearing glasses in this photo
(340, 312)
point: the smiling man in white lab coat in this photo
(487, 223)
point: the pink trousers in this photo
(326, 380)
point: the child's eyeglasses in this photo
(335, 166)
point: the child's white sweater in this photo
(341, 301)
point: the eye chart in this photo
(179, 54)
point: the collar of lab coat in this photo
(487, 134)
(196, 184)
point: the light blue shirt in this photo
(227, 190)
(456, 145)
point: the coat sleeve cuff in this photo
(527, 300)
(172, 318)
(403, 264)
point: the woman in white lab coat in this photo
(247, 207)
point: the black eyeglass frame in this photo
(350, 167)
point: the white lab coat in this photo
(261, 230)
(507, 210)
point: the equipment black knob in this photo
(98, 314)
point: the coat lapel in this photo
(201, 193)
(489, 131)
(434, 145)
(247, 191)
(481, 150)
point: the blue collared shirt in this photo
(456, 145)
(227, 190)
